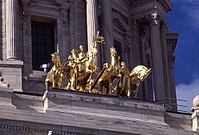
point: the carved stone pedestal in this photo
(11, 72)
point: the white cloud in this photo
(187, 92)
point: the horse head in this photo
(140, 72)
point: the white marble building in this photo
(30, 30)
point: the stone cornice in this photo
(25, 1)
(172, 39)
(137, 2)
(166, 4)
(59, 3)
(128, 2)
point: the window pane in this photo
(42, 43)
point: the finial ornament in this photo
(98, 39)
(196, 104)
(80, 71)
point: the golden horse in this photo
(55, 76)
(109, 76)
(137, 75)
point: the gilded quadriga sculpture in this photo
(80, 71)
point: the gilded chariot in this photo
(80, 71)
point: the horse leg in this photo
(48, 84)
(108, 86)
(100, 86)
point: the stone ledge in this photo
(27, 101)
(11, 63)
(105, 106)
(178, 120)
(103, 99)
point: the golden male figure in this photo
(124, 83)
(73, 65)
(81, 61)
(86, 68)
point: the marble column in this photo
(107, 27)
(157, 59)
(147, 92)
(91, 20)
(168, 97)
(171, 62)
(11, 29)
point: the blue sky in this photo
(184, 18)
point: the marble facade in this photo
(139, 31)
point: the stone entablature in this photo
(166, 4)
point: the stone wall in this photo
(11, 72)
(78, 113)
(1, 25)
(80, 24)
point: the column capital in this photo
(154, 18)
